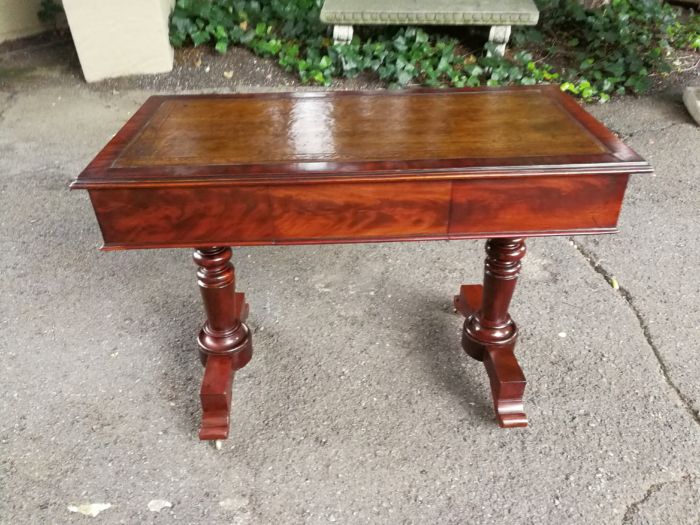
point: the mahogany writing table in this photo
(211, 171)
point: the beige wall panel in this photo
(117, 38)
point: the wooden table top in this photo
(323, 136)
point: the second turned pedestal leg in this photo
(225, 342)
(489, 333)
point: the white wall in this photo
(117, 38)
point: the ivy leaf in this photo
(421, 37)
(221, 46)
(220, 33)
(200, 37)
(568, 86)
(515, 73)
(474, 70)
(400, 44)
(247, 37)
(404, 77)
(325, 62)
(473, 81)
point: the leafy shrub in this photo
(49, 11)
(610, 50)
(597, 53)
(290, 30)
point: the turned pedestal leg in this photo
(224, 341)
(490, 334)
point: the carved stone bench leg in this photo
(490, 334)
(225, 341)
(499, 35)
(342, 34)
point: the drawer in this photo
(536, 204)
(235, 215)
(193, 216)
(360, 210)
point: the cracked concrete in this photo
(643, 324)
(625, 135)
(655, 256)
(654, 507)
(359, 405)
(6, 100)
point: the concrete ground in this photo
(359, 405)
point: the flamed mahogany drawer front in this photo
(261, 214)
(360, 210)
(537, 204)
(182, 216)
(344, 212)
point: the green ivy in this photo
(612, 50)
(597, 53)
(290, 30)
(49, 10)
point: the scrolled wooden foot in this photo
(489, 333)
(507, 386)
(216, 398)
(225, 341)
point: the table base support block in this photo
(507, 386)
(468, 300)
(216, 398)
(489, 333)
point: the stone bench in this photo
(499, 14)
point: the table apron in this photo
(335, 212)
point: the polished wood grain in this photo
(183, 217)
(358, 211)
(527, 206)
(211, 171)
(281, 138)
(319, 128)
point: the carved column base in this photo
(219, 371)
(489, 333)
(225, 342)
(205, 340)
(505, 375)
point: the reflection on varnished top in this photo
(331, 129)
(280, 138)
